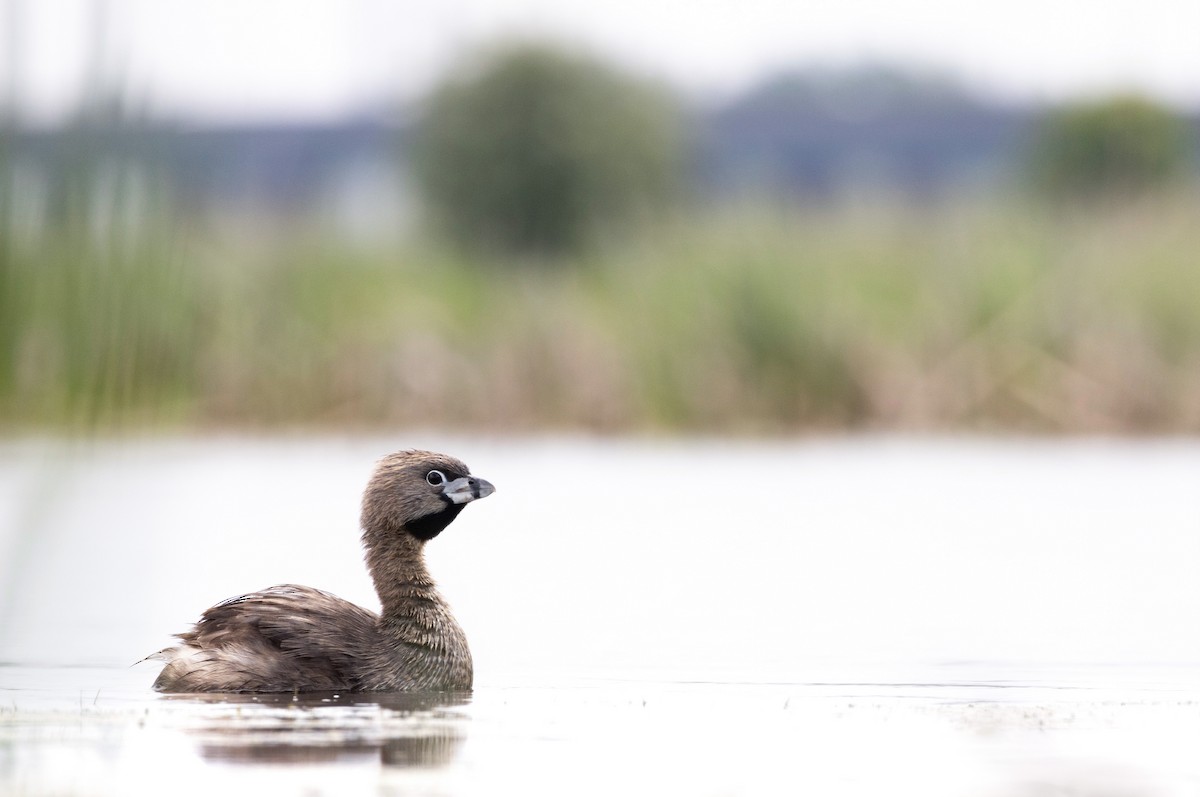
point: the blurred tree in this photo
(1118, 146)
(538, 151)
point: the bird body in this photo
(291, 638)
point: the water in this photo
(873, 616)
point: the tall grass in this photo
(990, 316)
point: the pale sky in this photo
(239, 60)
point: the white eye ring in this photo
(435, 478)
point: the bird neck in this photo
(396, 561)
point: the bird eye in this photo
(435, 478)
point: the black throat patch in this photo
(427, 527)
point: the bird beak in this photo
(468, 488)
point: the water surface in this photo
(839, 617)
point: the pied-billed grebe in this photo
(289, 638)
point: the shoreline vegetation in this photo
(987, 315)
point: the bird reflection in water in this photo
(401, 729)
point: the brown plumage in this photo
(299, 639)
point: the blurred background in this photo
(516, 215)
(674, 250)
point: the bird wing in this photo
(281, 639)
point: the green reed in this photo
(986, 316)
